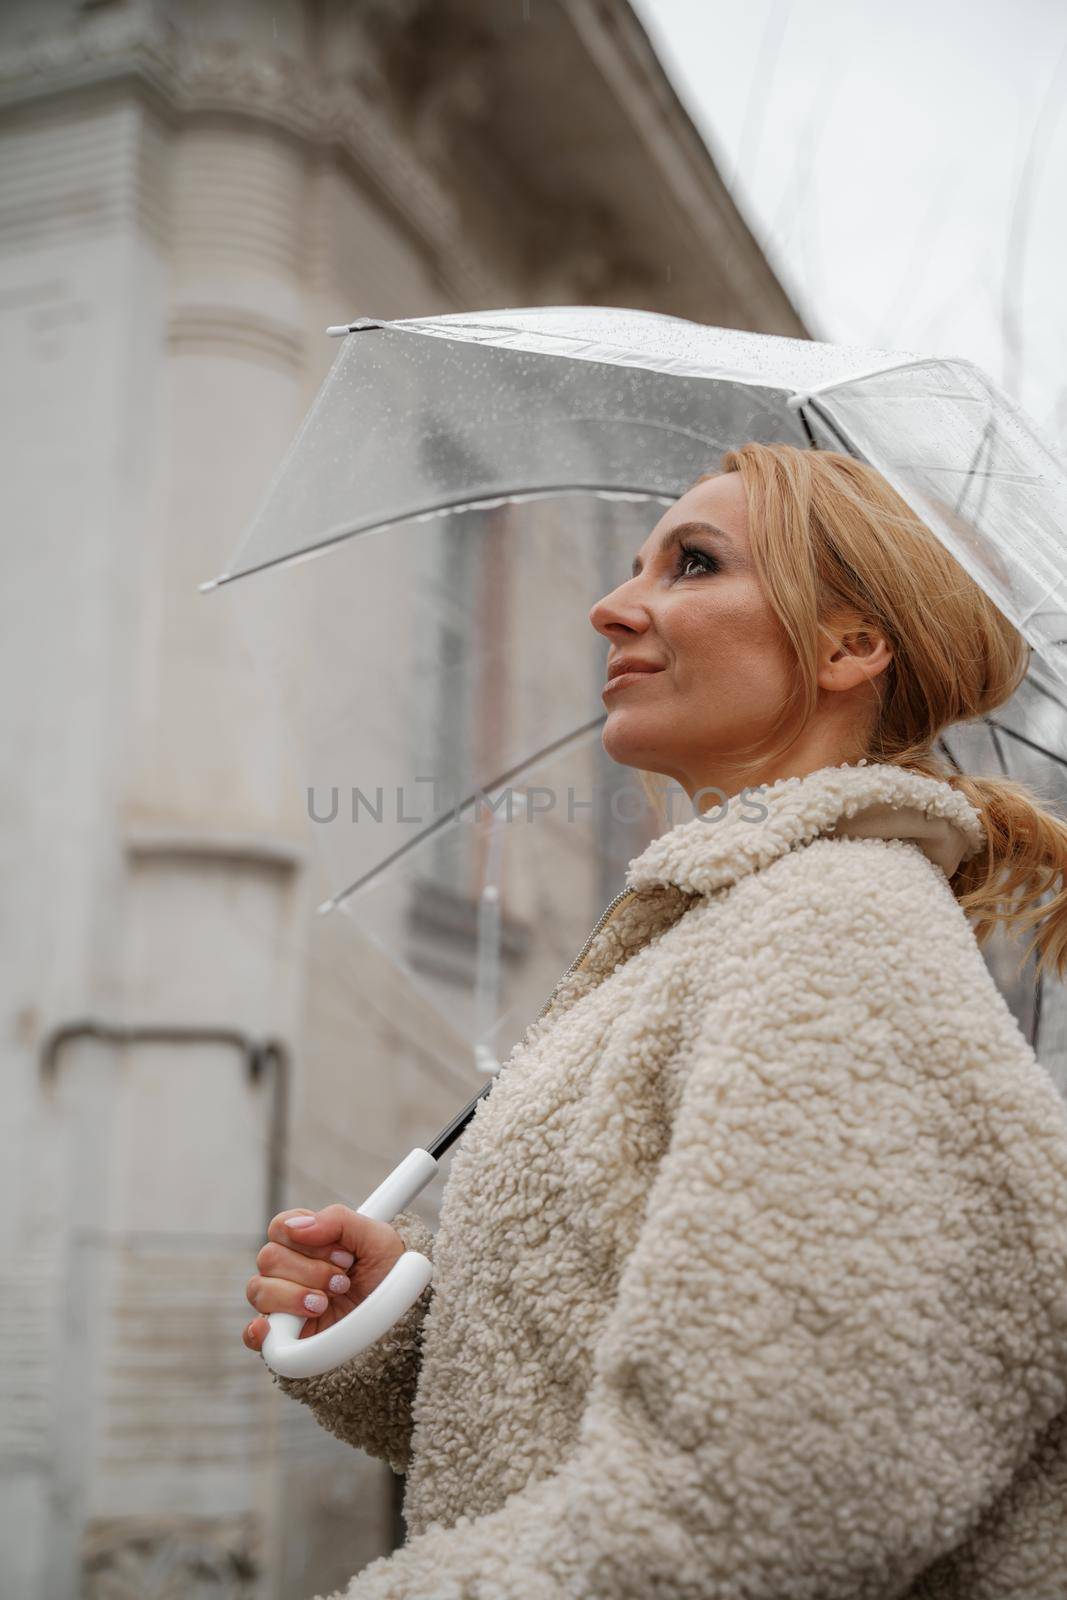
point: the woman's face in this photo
(694, 611)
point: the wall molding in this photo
(145, 841)
(194, 328)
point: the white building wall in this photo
(166, 273)
(74, 265)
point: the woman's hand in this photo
(319, 1265)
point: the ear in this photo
(853, 652)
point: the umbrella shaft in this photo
(451, 1133)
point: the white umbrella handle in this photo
(292, 1357)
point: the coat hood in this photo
(880, 801)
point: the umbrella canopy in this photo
(418, 578)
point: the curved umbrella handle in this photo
(292, 1357)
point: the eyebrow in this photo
(681, 531)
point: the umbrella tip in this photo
(327, 905)
(335, 330)
(212, 583)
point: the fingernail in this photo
(339, 1284)
(300, 1222)
(315, 1303)
(342, 1258)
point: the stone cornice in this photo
(197, 77)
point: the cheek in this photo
(732, 661)
(732, 625)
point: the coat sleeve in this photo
(367, 1402)
(841, 1329)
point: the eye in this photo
(688, 553)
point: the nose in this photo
(621, 612)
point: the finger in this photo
(278, 1261)
(341, 1227)
(255, 1333)
(318, 1242)
(277, 1294)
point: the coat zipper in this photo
(583, 952)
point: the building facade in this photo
(190, 192)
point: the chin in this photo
(628, 747)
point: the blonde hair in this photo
(831, 538)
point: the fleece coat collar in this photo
(714, 850)
(711, 853)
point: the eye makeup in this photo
(675, 535)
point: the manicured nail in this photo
(342, 1258)
(300, 1222)
(315, 1303)
(339, 1284)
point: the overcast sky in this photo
(903, 167)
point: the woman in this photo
(751, 1271)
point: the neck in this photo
(721, 778)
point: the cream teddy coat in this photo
(750, 1279)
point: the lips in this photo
(623, 674)
(625, 665)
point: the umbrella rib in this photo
(1030, 743)
(985, 446)
(450, 816)
(948, 753)
(879, 372)
(441, 507)
(834, 427)
(915, 394)
(997, 746)
(969, 472)
(755, 380)
(1033, 682)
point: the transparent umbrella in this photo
(416, 585)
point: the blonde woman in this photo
(751, 1270)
